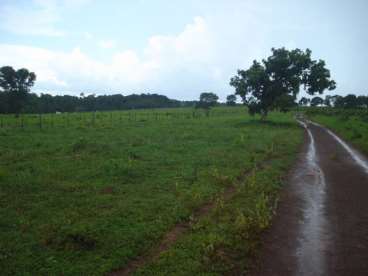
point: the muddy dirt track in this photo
(321, 225)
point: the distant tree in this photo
(328, 100)
(47, 103)
(362, 101)
(16, 85)
(206, 101)
(316, 101)
(3, 102)
(350, 101)
(337, 101)
(304, 101)
(282, 73)
(231, 100)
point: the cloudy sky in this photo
(176, 48)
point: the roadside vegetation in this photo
(226, 241)
(351, 124)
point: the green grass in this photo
(226, 241)
(79, 197)
(351, 128)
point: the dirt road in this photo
(321, 226)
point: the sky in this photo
(176, 48)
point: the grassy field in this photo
(84, 194)
(353, 128)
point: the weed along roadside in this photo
(226, 239)
(349, 124)
(92, 199)
(207, 210)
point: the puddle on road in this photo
(312, 230)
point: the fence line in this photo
(91, 119)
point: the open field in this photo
(86, 198)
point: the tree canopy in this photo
(16, 84)
(46, 103)
(316, 101)
(231, 100)
(350, 101)
(207, 100)
(304, 101)
(278, 79)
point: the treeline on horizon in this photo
(16, 98)
(46, 103)
(349, 101)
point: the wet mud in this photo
(321, 225)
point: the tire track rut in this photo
(321, 226)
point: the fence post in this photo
(40, 120)
(22, 121)
(93, 117)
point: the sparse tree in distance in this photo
(362, 101)
(328, 100)
(206, 101)
(16, 84)
(304, 101)
(280, 74)
(316, 101)
(335, 100)
(350, 101)
(231, 100)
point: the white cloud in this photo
(189, 50)
(194, 44)
(107, 44)
(87, 35)
(37, 17)
(74, 4)
(29, 20)
(200, 58)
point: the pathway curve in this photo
(321, 225)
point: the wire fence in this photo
(98, 118)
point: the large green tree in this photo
(16, 84)
(280, 76)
